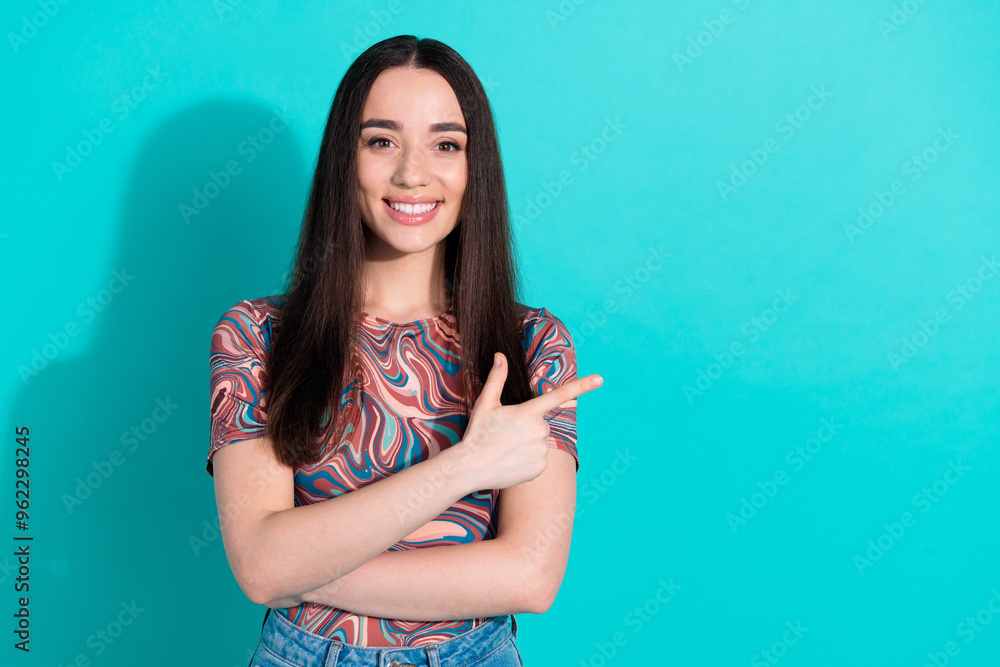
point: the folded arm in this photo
(519, 571)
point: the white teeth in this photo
(410, 209)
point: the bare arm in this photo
(519, 571)
(276, 549)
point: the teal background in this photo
(676, 122)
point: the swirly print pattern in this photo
(401, 405)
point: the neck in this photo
(406, 286)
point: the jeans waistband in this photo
(291, 642)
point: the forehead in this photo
(414, 97)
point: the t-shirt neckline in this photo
(381, 322)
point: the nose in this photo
(411, 171)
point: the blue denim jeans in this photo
(283, 644)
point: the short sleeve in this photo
(552, 363)
(236, 374)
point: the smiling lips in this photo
(411, 210)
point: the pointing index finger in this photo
(564, 393)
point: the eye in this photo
(375, 140)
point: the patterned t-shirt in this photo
(405, 408)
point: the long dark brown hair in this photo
(312, 347)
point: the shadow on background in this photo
(122, 511)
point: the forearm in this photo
(304, 548)
(478, 579)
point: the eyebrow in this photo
(393, 125)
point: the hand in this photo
(505, 445)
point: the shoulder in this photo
(259, 311)
(541, 329)
(248, 323)
(533, 318)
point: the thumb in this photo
(489, 397)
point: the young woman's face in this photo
(411, 150)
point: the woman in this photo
(405, 243)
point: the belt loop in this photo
(332, 654)
(266, 614)
(433, 659)
(513, 622)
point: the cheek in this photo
(455, 179)
(372, 175)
